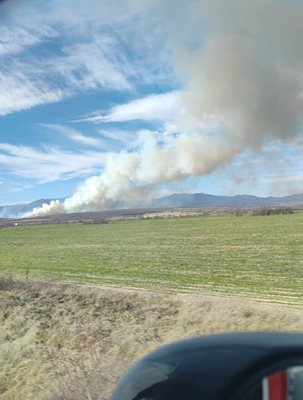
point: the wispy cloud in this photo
(297, 142)
(118, 135)
(284, 178)
(21, 88)
(16, 39)
(75, 135)
(32, 81)
(48, 164)
(20, 187)
(97, 63)
(156, 107)
(86, 140)
(166, 110)
(53, 55)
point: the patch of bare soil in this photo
(72, 342)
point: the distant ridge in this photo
(185, 200)
(243, 200)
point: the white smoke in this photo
(240, 60)
(127, 174)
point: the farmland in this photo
(254, 256)
(79, 303)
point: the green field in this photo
(256, 256)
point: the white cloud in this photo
(75, 135)
(26, 83)
(20, 187)
(16, 39)
(91, 65)
(49, 164)
(75, 15)
(87, 53)
(21, 88)
(87, 140)
(284, 178)
(296, 142)
(90, 62)
(118, 135)
(155, 107)
(166, 109)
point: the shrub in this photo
(273, 211)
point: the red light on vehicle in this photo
(275, 387)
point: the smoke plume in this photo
(239, 62)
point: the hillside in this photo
(208, 200)
(184, 200)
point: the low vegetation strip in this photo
(261, 257)
(73, 342)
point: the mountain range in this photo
(243, 200)
(184, 200)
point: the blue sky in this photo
(81, 81)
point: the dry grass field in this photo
(73, 342)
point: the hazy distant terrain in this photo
(185, 200)
(207, 200)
